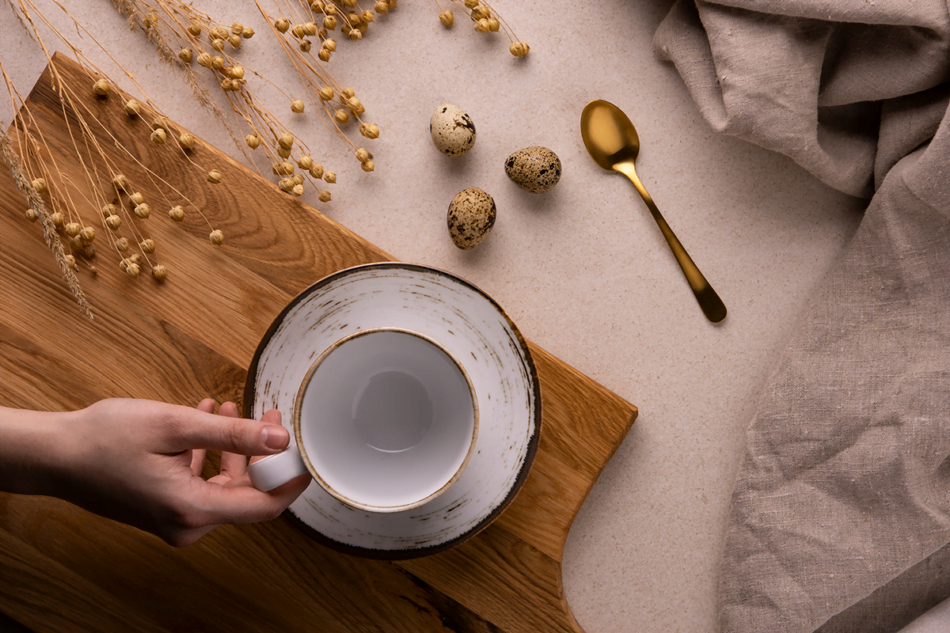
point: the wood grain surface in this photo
(64, 569)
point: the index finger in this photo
(189, 429)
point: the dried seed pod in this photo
(324, 55)
(149, 20)
(216, 237)
(368, 16)
(347, 93)
(519, 49)
(317, 6)
(354, 18)
(297, 179)
(286, 140)
(480, 13)
(341, 116)
(217, 62)
(31, 215)
(132, 270)
(204, 59)
(330, 9)
(310, 28)
(305, 46)
(121, 183)
(186, 141)
(101, 88)
(108, 210)
(329, 22)
(298, 31)
(132, 107)
(89, 251)
(219, 33)
(71, 261)
(57, 219)
(247, 33)
(237, 28)
(217, 45)
(324, 196)
(355, 34)
(283, 152)
(73, 229)
(355, 106)
(482, 26)
(114, 222)
(297, 106)
(362, 155)
(368, 166)
(447, 18)
(124, 264)
(147, 246)
(286, 168)
(305, 162)
(76, 245)
(142, 211)
(159, 136)
(93, 270)
(470, 4)
(214, 176)
(282, 25)
(326, 93)
(381, 6)
(330, 177)
(122, 244)
(159, 273)
(330, 45)
(285, 184)
(136, 259)
(87, 235)
(136, 198)
(370, 131)
(317, 171)
(236, 73)
(297, 190)
(494, 25)
(253, 141)
(235, 41)
(195, 29)
(177, 214)
(39, 184)
(186, 55)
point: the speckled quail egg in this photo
(471, 217)
(452, 130)
(535, 169)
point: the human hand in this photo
(140, 462)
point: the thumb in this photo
(224, 433)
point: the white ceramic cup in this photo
(385, 420)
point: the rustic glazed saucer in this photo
(474, 330)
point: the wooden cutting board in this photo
(63, 569)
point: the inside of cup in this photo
(387, 419)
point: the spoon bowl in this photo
(612, 141)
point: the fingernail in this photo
(274, 437)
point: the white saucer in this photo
(476, 331)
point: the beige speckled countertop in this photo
(583, 269)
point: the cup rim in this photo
(298, 434)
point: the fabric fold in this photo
(842, 500)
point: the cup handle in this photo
(276, 470)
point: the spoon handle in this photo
(709, 301)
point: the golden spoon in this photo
(613, 143)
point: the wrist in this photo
(32, 450)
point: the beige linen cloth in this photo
(840, 517)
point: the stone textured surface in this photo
(582, 270)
